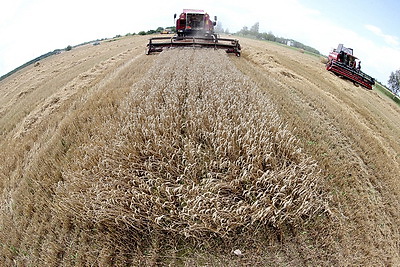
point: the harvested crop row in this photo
(196, 150)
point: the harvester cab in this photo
(195, 23)
(342, 62)
(194, 28)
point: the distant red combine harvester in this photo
(194, 28)
(343, 63)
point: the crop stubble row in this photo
(195, 150)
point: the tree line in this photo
(57, 51)
(255, 33)
(394, 82)
(158, 30)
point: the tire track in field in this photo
(96, 78)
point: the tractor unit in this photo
(342, 62)
(195, 23)
(194, 28)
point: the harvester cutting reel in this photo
(157, 44)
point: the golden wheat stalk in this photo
(196, 150)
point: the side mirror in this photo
(215, 18)
(175, 16)
(214, 23)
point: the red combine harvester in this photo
(194, 29)
(343, 63)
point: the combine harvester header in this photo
(343, 63)
(194, 28)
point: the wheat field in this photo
(110, 157)
(192, 157)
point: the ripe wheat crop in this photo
(195, 150)
(191, 157)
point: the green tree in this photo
(219, 28)
(255, 28)
(244, 30)
(142, 33)
(269, 36)
(394, 82)
(68, 48)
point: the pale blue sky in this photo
(30, 28)
(381, 13)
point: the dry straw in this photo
(195, 150)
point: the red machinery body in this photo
(193, 22)
(342, 62)
(194, 28)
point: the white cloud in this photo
(8, 10)
(389, 39)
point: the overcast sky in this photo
(30, 28)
